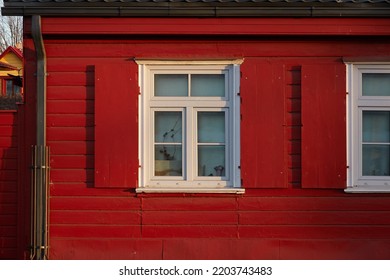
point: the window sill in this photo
(368, 189)
(190, 190)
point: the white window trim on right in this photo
(356, 104)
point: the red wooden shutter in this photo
(116, 125)
(323, 126)
(262, 125)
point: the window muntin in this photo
(189, 113)
(369, 128)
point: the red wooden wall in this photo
(9, 187)
(284, 213)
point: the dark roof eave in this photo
(198, 11)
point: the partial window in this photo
(189, 127)
(369, 128)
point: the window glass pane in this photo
(170, 85)
(168, 160)
(9, 86)
(168, 127)
(376, 126)
(376, 160)
(211, 127)
(376, 84)
(211, 161)
(208, 85)
(16, 89)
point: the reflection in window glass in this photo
(376, 160)
(211, 144)
(376, 84)
(376, 143)
(211, 127)
(208, 85)
(168, 160)
(168, 144)
(171, 85)
(9, 87)
(211, 160)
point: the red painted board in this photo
(116, 125)
(262, 124)
(324, 126)
(216, 26)
(105, 249)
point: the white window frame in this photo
(356, 104)
(149, 104)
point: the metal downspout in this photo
(40, 168)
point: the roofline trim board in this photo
(198, 11)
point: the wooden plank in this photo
(94, 231)
(7, 118)
(72, 161)
(335, 249)
(7, 220)
(262, 124)
(79, 64)
(71, 147)
(90, 217)
(70, 107)
(221, 249)
(85, 189)
(105, 249)
(76, 78)
(192, 231)
(323, 126)
(9, 254)
(71, 175)
(213, 26)
(318, 49)
(70, 92)
(8, 153)
(8, 209)
(7, 142)
(315, 218)
(8, 186)
(8, 163)
(8, 231)
(8, 175)
(314, 232)
(95, 203)
(8, 130)
(116, 125)
(70, 133)
(189, 218)
(316, 203)
(8, 198)
(70, 120)
(179, 203)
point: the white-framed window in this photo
(368, 128)
(189, 126)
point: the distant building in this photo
(11, 77)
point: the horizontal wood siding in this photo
(8, 184)
(276, 219)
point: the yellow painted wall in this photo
(14, 60)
